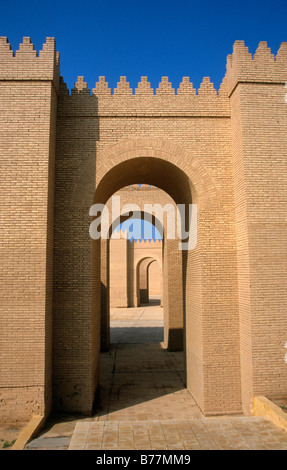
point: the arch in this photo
(132, 296)
(158, 169)
(155, 281)
(163, 153)
(188, 161)
(202, 292)
(148, 260)
(131, 293)
(142, 270)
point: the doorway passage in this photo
(142, 373)
(140, 379)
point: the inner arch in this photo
(148, 170)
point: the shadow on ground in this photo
(142, 381)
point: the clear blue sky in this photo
(139, 230)
(153, 38)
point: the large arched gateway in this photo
(64, 152)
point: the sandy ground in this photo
(9, 433)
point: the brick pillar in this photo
(118, 272)
(259, 130)
(29, 85)
(105, 296)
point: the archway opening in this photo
(149, 171)
(150, 282)
(133, 246)
(154, 283)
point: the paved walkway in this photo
(190, 434)
(144, 405)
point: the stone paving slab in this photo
(238, 433)
(56, 443)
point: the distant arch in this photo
(142, 272)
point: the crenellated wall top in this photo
(165, 100)
(27, 64)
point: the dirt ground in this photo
(9, 434)
(282, 402)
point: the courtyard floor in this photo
(143, 403)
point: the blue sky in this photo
(152, 38)
(139, 230)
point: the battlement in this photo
(144, 88)
(144, 100)
(27, 64)
(120, 234)
(147, 243)
(186, 101)
(263, 67)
